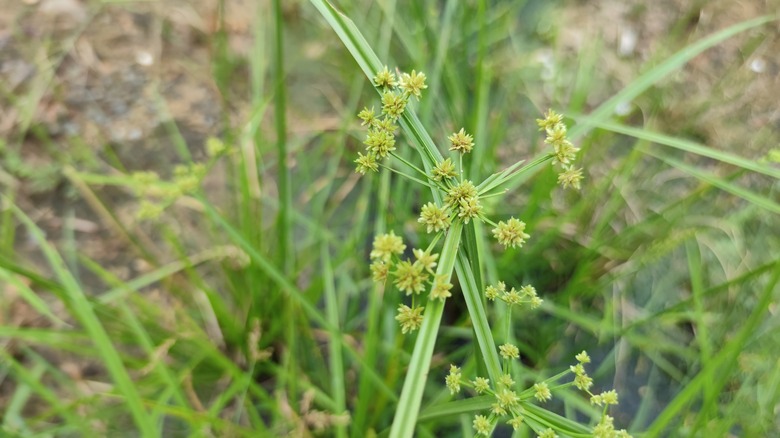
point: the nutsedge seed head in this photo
(506, 381)
(556, 135)
(551, 119)
(413, 84)
(434, 218)
(425, 259)
(215, 146)
(386, 124)
(366, 163)
(583, 357)
(368, 116)
(542, 392)
(453, 380)
(465, 190)
(570, 177)
(512, 298)
(409, 318)
(469, 208)
(610, 397)
(583, 381)
(491, 293)
(509, 351)
(482, 425)
(385, 245)
(511, 233)
(379, 270)
(497, 410)
(385, 79)
(409, 277)
(380, 142)
(444, 170)
(606, 429)
(564, 152)
(481, 385)
(528, 291)
(548, 433)
(441, 288)
(507, 398)
(516, 422)
(461, 142)
(393, 104)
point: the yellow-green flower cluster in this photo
(526, 295)
(564, 151)
(156, 194)
(605, 428)
(441, 288)
(380, 140)
(387, 245)
(542, 392)
(511, 233)
(444, 170)
(463, 199)
(434, 218)
(482, 425)
(453, 380)
(410, 318)
(481, 385)
(461, 142)
(509, 351)
(411, 277)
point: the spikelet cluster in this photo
(380, 140)
(564, 151)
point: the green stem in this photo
(408, 163)
(417, 374)
(285, 196)
(406, 175)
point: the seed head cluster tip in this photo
(409, 318)
(564, 152)
(444, 170)
(380, 140)
(434, 218)
(453, 380)
(482, 425)
(413, 83)
(511, 233)
(461, 142)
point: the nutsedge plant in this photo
(426, 278)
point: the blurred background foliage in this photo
(196, 318)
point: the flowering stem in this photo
(407, 176)
(401, 159)
(416, 376)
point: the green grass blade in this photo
(464, 406)
(84, 312)
(688, 146)
(336, 361)
(718, 371)
(655, 74)
(473, 296)
(28, 295)
(411, 395)
(758, 200)
(294, 293)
